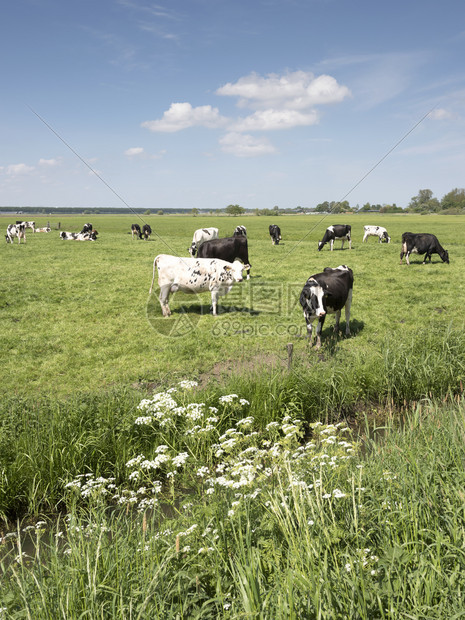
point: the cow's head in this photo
(445, 256)
(235, 270)
(192, 250)
(320, 245)
(312, 298)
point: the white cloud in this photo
(183, 115)
(294, 91)
(266, 120)
(19, 169)
(49, 162)
(439, 114)
(134, 151)
(244, 145)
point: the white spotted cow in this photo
(327, 293)
(337, 231)
(376, 231)
(44, 229)
(201, 235)
(16, 230)
(194, 275)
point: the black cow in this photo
(337, 231)
(228, 249)
(275, 234)
(422, 243)
(327, 293)
(87, 228)
(240, 231)
(135, 229)
(146, 231)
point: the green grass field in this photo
(77, 316)
(127, 494)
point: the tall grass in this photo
(45, 442)
(330, 532)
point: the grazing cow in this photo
(194, 275)
(241, 231)
(45, 229)
(70, 236)
(327, 293)
(275, 234)
(87, 228)
(422, 243)
(16, 230)
(376, 231)
(337, 231)
(31, 225)
(201, 235)
(146, 231)
(228, 249)
(135, 230)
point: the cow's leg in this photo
(215, 295)
(342, 244)
(308, 322)
(163, 297)
(347, 312)
(331, 244)
(319, 329)
(337, 316)
(364, 237)
(407, 258)
(350, 243)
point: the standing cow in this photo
(337, 231)
(146, 231)
(228, 249)
(201, 235)
(327, 293)
(135, 230)
(240, 231)
(376, 231)
(16, 230)
(275, 234)
(422, 243)
(194, 275)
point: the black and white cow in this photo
(16, 230)
(194, 275)
(240, 231)
(422, 243)
(71, 236)
(337, 231)
(376, 231)
(201, 235)
(275, 234)
(135, 230)
(31, 225)
(146, 231)
(327, 293)
(44, 229)
(228, 249)
(87, 228)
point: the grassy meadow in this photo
(77, 316)
(178, 468)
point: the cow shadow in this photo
(330, 340)
(206, 310)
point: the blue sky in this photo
(205, 103)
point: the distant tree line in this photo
(451, 203)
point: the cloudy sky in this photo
(205, 103)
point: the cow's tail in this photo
(153, 275)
